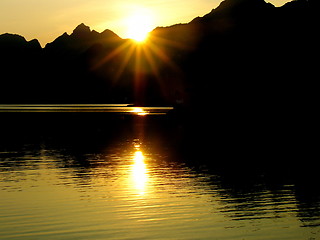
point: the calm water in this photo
(110, 108)
(127, 182)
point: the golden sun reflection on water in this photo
(139, 172)
(133, 190)
(139, 111)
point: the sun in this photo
(139, 25)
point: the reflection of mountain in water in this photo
(244, 52)
(95, 161)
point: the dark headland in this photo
(244, 52)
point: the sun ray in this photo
(151, 61)
(138, 77)
(163, 56)
(112, 55)
(125, 61)
(155, 70)
(145, 62)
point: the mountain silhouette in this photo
(247, 52)
(14, 42)
(243, 56)
(81, 39)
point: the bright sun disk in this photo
(139, 25)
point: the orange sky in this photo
(48, 19)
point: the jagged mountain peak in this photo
(243, 3)
(83, 38)
(81, 29)
(238, 10)
(8, 37)
(8, 40)
(109, 33)
(237, 51)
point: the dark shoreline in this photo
(206, 139)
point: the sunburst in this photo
(145, 58)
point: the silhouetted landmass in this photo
(243, 54)
(19, 67)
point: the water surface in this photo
(106, 108)
(127, 182)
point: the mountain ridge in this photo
(248, 50)
(236, 5)
(83, 38)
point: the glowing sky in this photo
(48, 19)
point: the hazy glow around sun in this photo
(139, 24)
